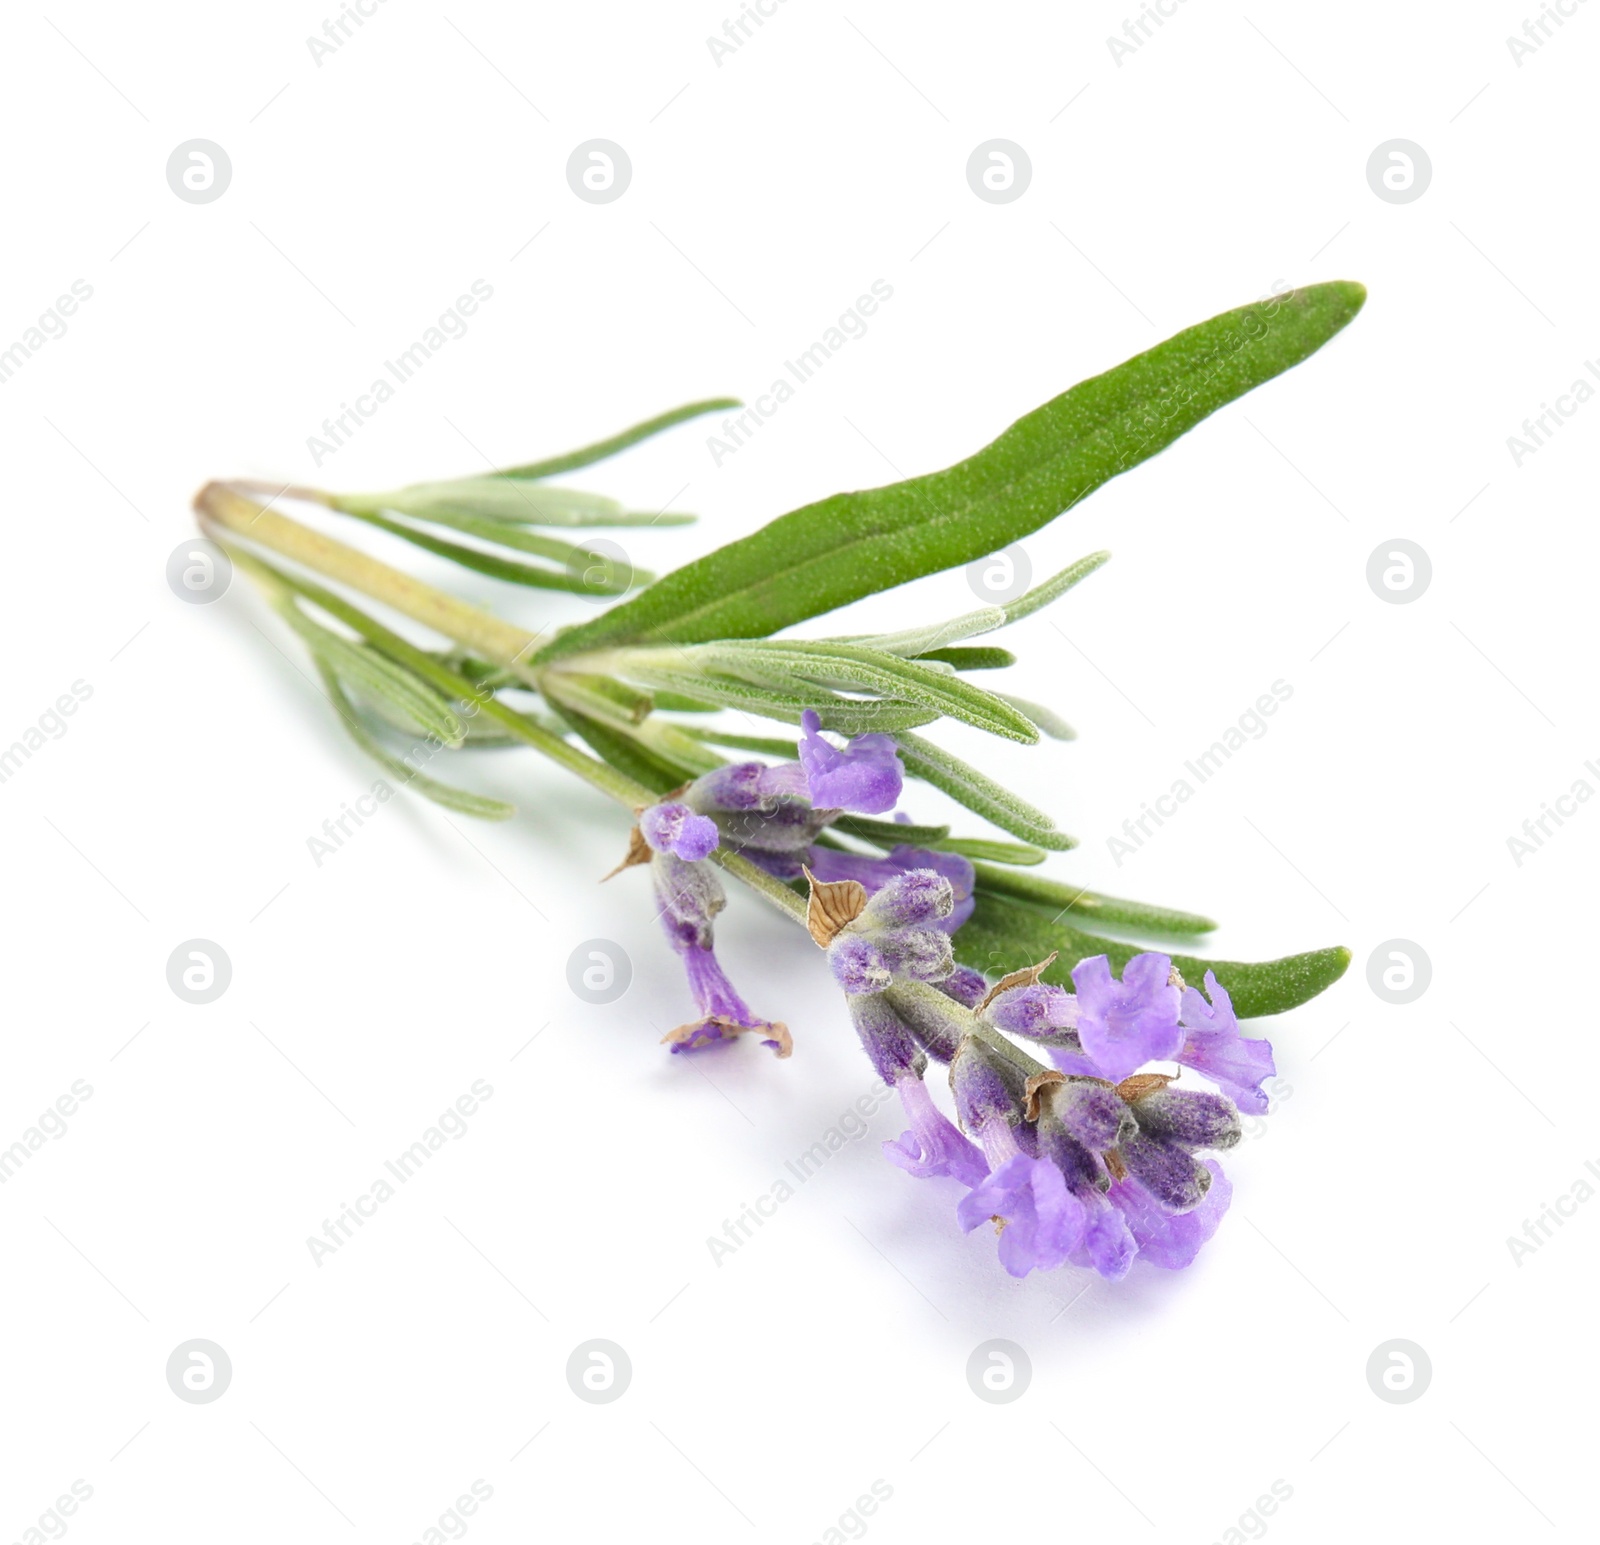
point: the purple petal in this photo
(1125, 1024)
(724, 1015)
(1171, 1240)
(933, 1146)
(675, 828)
(1044, 1221)
(865, 777)
(1213, 1046)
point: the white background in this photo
(1226, 156)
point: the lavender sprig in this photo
(1092, 1158)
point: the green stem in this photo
(221, 505)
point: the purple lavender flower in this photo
(675, 828)
(1123, 1025)
(858, 965)
(724, 1015)
(933, 1146)
(1036, 1011)
(865, 777)
(1165, 1239)
(1213, 1046)
(1041, 1222)
(875, 873)
(966, 986)
(892, 937)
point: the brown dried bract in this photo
(1141, 1084)
(1023, 978)
(1034, 1089)
(1119, 1170)
(638, 853)
(834, 904)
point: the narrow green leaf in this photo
(1055, 896)
(413, 701)
(479, 806)
(774, 699)
(1002, 936)
(1046, 718)
(979, 793)
(889, 834)
(676, 702)
(979, 659)
(1054, 587)
(931, 636)
(855, 668)
(854, 544)
(599, 577)
(623, 752)
(601, 449)
(601, 696)
(786, 749)
(471, 502)
(991, 851)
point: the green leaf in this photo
(991, 851)
(472, 502)
(980, 659)
(1046, 718)
(410, 699)
(623, 752)
(855, 544)
(1054, 588)
(979, 793)
(1002, 936)
(601, 449)
(858, 669)
(786, 749)
(1055, 897)
(930, 636)
(890, 834)
(479, 806)
(601, 564)
(663, 672)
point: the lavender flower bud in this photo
(965, 985)
(1188, 1118)
(888, 1043)
(692, 893)
(923, 954)
(1037, 1012)
(1093, 1113)
(1085, 1174)
(1176, 1179)
(986, 1086)
(915, 899)
(675, 828)
(858, 965)
(936, 1022)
